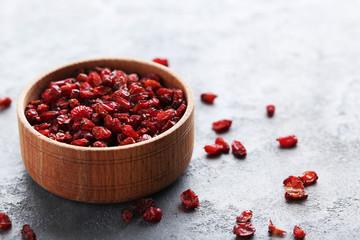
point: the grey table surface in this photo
(301, 55)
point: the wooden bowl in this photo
(112, 174)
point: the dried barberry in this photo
(245, 216)
(288, 141)
(101, 133)
(189, 199)
(213, 149)
(162, 61)
(28, 233)
(238, 149)
(222, 125)
(244, 230)
(5, 102)
(294, 189)
(299, 233)
(308, 177)
(81, 112)
(208, 97)
(5, 222)
(274, 230)
(127, 215)
(152, 214)
(270, 109)
(225, 148)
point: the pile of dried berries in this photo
(144, 207)
(243, 228)
(189, 199)
(5, 102)
(294, 186)
(104, 107)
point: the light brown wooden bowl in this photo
(112, 174)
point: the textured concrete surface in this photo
(301, 55)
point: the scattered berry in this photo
(162, 61)
(238, 149)
(270, 109)
(143, 204)
(5, 102)
(28, 233)
(152, 214)
(288, 141)
(245, 216)
(222, 125)
(5, 222)
(244, 230)
(208, 97)
(274, 230)
(127, 215)
(299, 233)
(189, 199)
(308, 177)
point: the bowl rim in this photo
(21, 105)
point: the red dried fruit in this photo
(270, 109)
(127, 141)
(189, 199)
(162, 61)
(149, 83)
(164, 95)
(178, 98)
(213, 149)
(5, 222)
(294, 189)
(87, 125)
(127, 215)
(274, 230)
(299, 233)
(245, 216)
(238, 149)
(81, 112)
(101, 133)
(225, 148)
(99, 144)
(152, 214)
(63, 119)
(94, 79)
(208, 97)
(290, 179)
(308, 177)
(5, 102)
(28, 233)
(143, 204)
(82, 77)
(244, 230)
(166, 115)
(129, 131)
(32, 116)
(288, 141)
(51, 94)
(46, 116)
(81, 142)
(222, 125)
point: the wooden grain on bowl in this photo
(112, 174)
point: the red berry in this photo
(101, 133)
(81, 142)
(189, 199)
(162, 61)
(51, 94)
(274, 230)
(294, 189)
(127, 215)
(222, 125)
(288, 141)
(81, 112)
(308, 177)
(225, 148)
(270, 109)
(5, 222)
(213, 149)
(152, 214)
(208, 97)
(166, 115)
(28, 233)
(238, 149)
(245, 216)
(99, 144)
(5, 102)
(299, 233)
(130, 132)
(244, 230)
